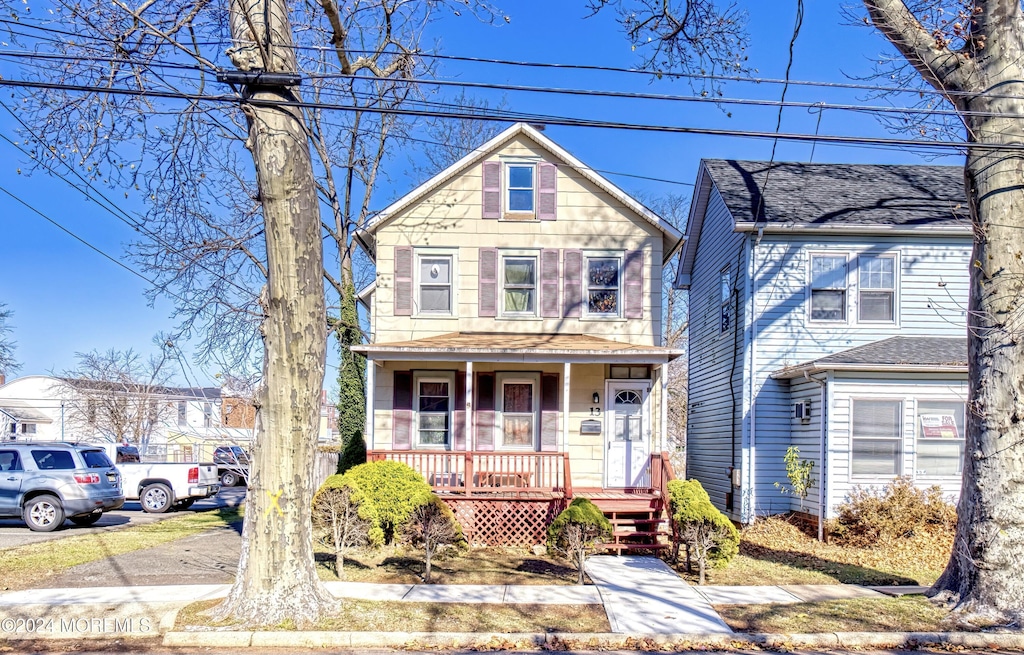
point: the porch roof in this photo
(23, 413)
(903, 354)
(506, 347)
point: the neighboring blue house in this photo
(827, 313)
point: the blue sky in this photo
(67, 298)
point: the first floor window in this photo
(603, 286)
(433, 417)
(519, 279)
(828, 287)
(876, 439)
(518, 413)
(435, 285)
(28, 428)
(877, 293)
(940, 438)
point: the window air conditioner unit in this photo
(802, 410)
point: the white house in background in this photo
(827, 311)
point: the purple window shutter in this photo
(491, 189)
(549, 412)
(488, 281)
(484, 415)
(403, 281)
(572, 282)
(402, 414)
(634, 284)
(549, 283)
(547, 191)
(459, 415)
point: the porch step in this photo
(637, 518)
(620, 547)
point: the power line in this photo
(544, 119)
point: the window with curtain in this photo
(603, 286)
(518, 414)
(435, 285)
(828, 287)
(519, 281)
(433, 416)
(877, 292)
(940, 438)
(876, 436)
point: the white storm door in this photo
(627, 434)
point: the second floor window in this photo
(434, 294)
(520, 188)
(603, 286)
(519, 283)
(877, 293)
(725, 286)
(828, 287)
(182, 413)
(207, 415)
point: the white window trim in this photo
(433, 376)
(603, 254)
(519, 254)
(501, 379)
(902, 437)
(894, 256)
(506, 163)
(811, 254)
(428, 253)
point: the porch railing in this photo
(486, 472)
(661, 473)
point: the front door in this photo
(627, 434)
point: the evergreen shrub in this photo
(708, 534)
(393, 489)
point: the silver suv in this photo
(44, 483)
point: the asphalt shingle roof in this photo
(911, 351)
(799, 194)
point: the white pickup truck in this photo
(160, 486)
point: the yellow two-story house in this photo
(516, 356)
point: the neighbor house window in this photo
(519, 285)
(603, 284)
(828, 287)
(940, 438)
(207, 415)
(434, 292)
(433, 404)
(518, 413)
(876, 437)
(28, 428)
(877, 293)
(725, 290)
(520, 185)
(182, 413)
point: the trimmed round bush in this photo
(365, 510)
(393, 489)
(691, 505)
(579, 512)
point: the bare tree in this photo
(431, 526)
(118, 395)
(448, 140)
(8, 364)
(338, 524)
(972, 53)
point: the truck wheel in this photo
(156, 498)
(88, 519)
(185, 504)
(43, 514)
(228, 479)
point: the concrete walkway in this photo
(642, 595)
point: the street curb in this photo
(587, 641)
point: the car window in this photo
(96, 459)
(49, 460)
(9, 460)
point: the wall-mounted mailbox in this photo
(590, 427)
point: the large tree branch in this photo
(938, 65)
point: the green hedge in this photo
(580, 512)
(392, 489)
(690, 504)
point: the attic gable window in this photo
(521, 188)
(828, 287)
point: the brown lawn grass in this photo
(774, 551)
(497, 566)
(377, 616)
(908, 613)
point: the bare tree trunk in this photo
(984, 575)
(277, 577)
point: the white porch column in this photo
(566, 368)
(468, 405)
(663, 414)
(371, 388)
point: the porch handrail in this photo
(469, 472)
(661, 473)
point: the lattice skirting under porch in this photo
(518, 522)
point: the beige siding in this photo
(588, 219)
